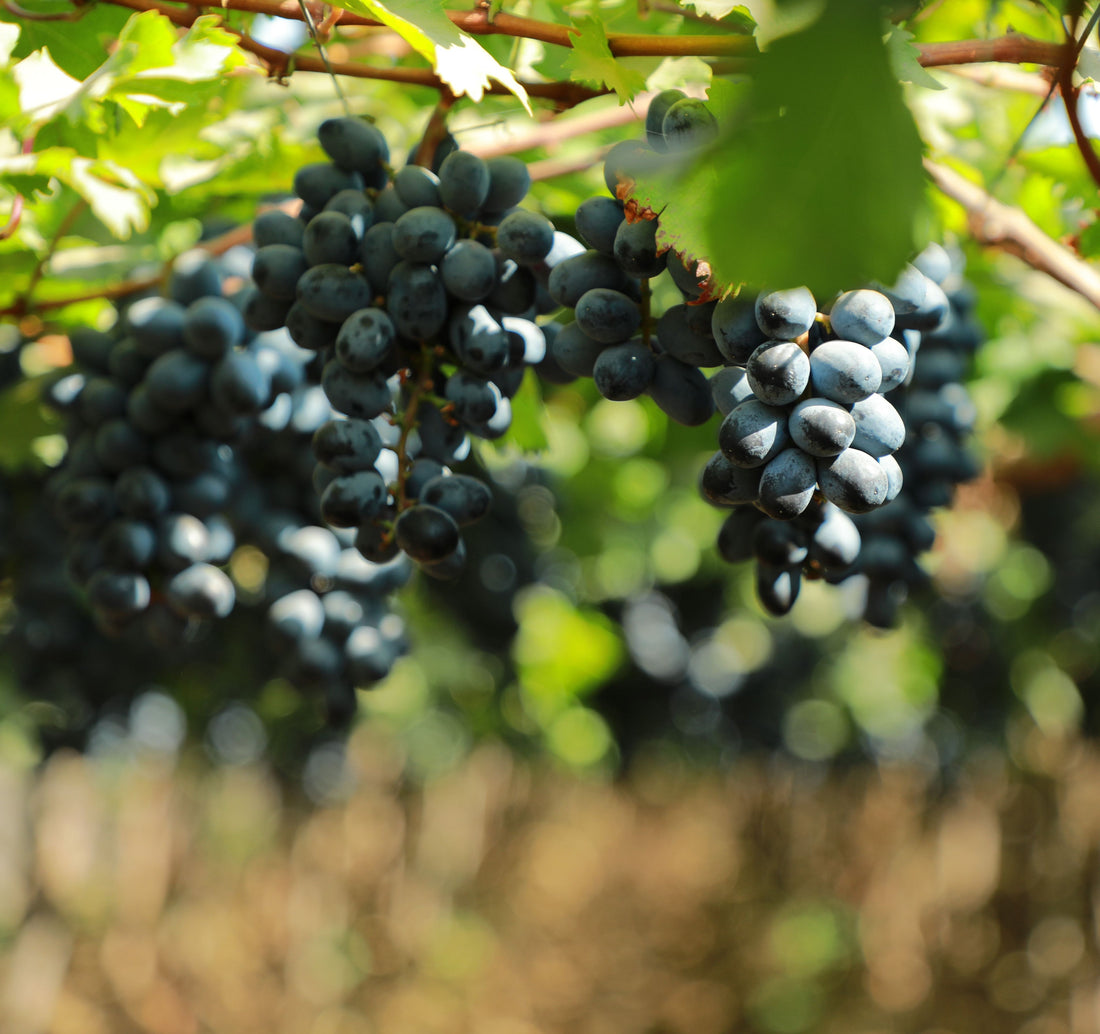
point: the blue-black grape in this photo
(333, 292)
(844, 371)
(277, 227)
(607, 316)
(365, 339)
(330, 237)
(416, 300)
(624, 371)
(351, 499)
(779, 372)
(355, 146)
(865, 316)
(598, 221)
(753, 433)
(821, 427)
(201, 591)
(315, 184)
(853, 480)
(468, 271)
(347, 446)
(688, 123)
(276, 270)
(678, 337)
(362, 395)
(417, 186)
(635, 248)
(787, 484)
(735, 330)
(464, 181)
(423, 234)
(427, 533)
(526, 237)
(467, 499)
(655, 117)
(787, 314)
(681, 391)
(509, 182)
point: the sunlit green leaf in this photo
(591, 61)
(458, 59)
(904, 60)
(816, 180)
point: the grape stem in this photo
(421, 382)
(1012, 48)
(1009, 229)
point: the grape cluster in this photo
(614, 337)
(886, 444)
(328, 614)
(150, 409)
(417, 293)
(939, 416)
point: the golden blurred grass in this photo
(504, 898)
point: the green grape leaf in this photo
(458, 59)
(115, 195)
(736, 16)
(591, 61)
(816, 179)
(904, 60)
(77, 47)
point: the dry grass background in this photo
(149, 896)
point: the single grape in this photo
(864, 316)
(526, 237)
(333, 292)
(423, 234)
(624, 371)
(598, 220)
(464, 181)
(787, 484)
(416, 300)
(606, 315)
(779, 372)
(467, 499)
(785, 315)
(753, 433)
(330, 238)
(821, 427)
(364, 340)
(469, 271)
(844, 371)
(426, 533)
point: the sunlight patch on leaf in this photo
(9, 37)
(458, 59)
(591, 61)
(44, 89)
(117, 198)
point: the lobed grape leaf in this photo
(817, 178)
(904, 60)
(590, 61)
(458, 59)
(78, 47)
(736, 16)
